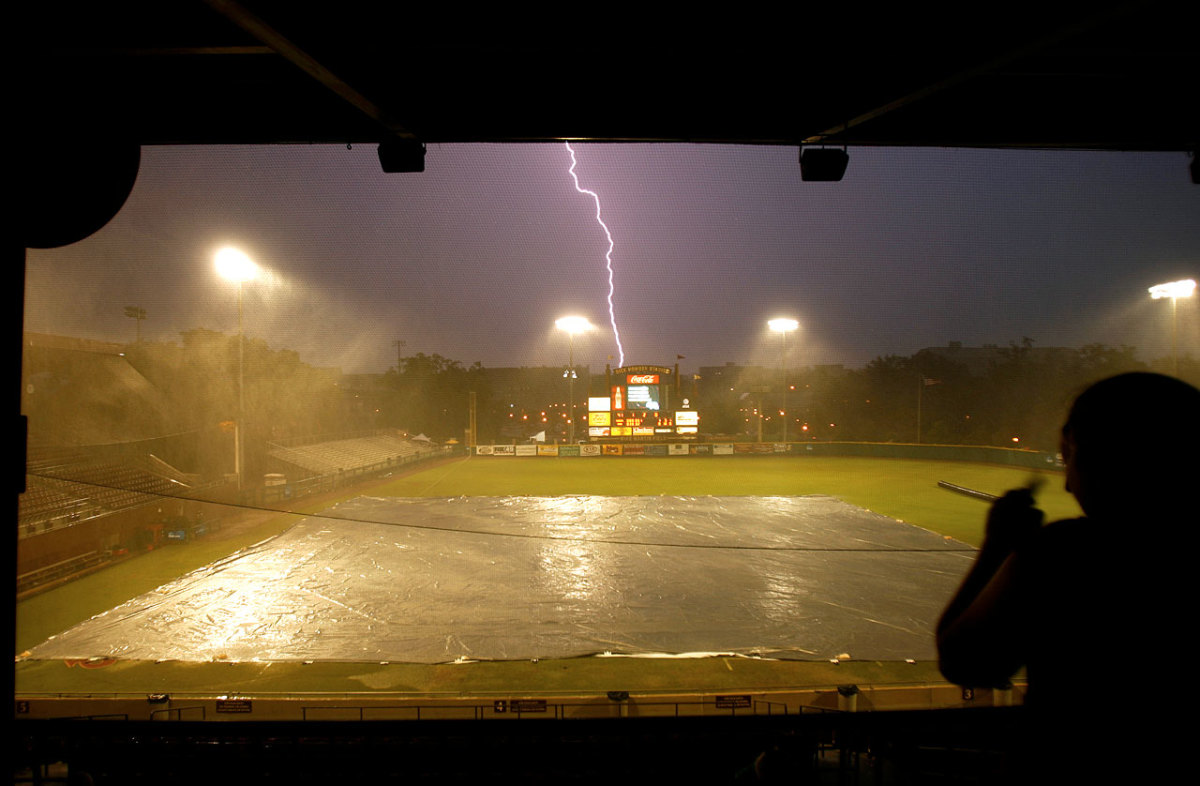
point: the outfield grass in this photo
(902, 489)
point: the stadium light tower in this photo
(783, 326)
(136, 313)
(572, 325)
(1174, 290)
(233, 265)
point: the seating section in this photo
(67, 486)
(351, 455)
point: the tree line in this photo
(1017, 399)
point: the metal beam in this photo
(285, 48)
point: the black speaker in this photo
(402, 155)
(823, 164)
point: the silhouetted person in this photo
(1097, 609)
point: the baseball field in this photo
(904, 490)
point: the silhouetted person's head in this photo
(1131, 444)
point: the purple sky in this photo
(475, 258)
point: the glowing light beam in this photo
(612, 315)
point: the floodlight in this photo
(782, 326)
(234, 265)
(573, 325)
(1173, 289)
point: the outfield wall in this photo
(1029, 459)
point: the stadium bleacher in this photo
(64, 487)
(350, 456)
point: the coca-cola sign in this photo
(643, 379)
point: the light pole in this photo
(233, 265)
(783, 326)
(572, 325)
(1174, 290)
(137, 313)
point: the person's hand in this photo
(1013, 520)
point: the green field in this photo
(902, 489)
(899, 488)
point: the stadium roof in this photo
(1098, 76)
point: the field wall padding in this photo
(981, 454)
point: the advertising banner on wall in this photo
(483, 450)
(526, 450)
(547, 450)
(568, 450)
(589, 450)
(723, 449)
(656, 450)
(701, 450)
(677, 449)
(503, 450)
(612, 450)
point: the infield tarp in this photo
(435, 580)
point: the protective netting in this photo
(434, 580)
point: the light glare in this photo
(783, 325)
(234, 265)
(573, 325)
(1173, 289)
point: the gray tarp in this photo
(433, 580)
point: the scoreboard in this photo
(638, 405)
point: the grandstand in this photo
(82, 508)
(66, 486)
(348, 457)
(85, 508)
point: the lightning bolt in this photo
(612, 317)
